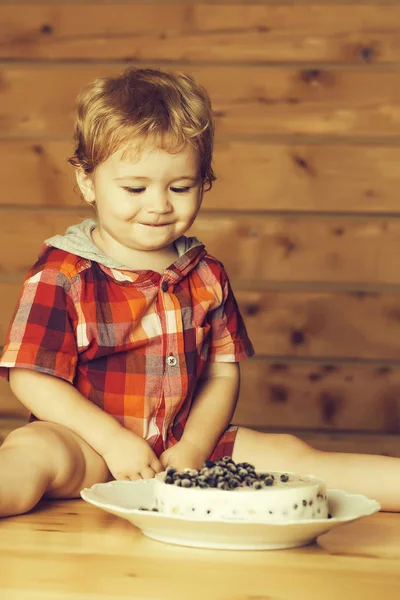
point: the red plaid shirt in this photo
(133, 342)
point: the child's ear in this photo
(85, 183)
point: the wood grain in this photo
(209, 2)
(302, 324)
(326, 397)
(251, 175)
(267, 248)
(70, 550)
(350, 33)
(363, 538)
(340, 397)
(324, 324)
(306, 96)
(249, 100)
(326, 441)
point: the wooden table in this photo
(71, 550)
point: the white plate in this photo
(123, 498)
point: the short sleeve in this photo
(229, 339)
(41, 335)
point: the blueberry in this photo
(233, 483)
(244, 465)
(168, 480)
(284, 478)
(209, 464)
(170, 470)
(192, 472)
(186, 483)
(223, 485)
(257, 485)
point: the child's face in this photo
(144, 202)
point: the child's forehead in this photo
(130, 157)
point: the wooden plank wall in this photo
(307, 102)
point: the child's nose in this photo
(159, 203)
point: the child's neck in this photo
(138, 260)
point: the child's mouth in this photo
(154, 225)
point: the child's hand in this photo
(183, 455)
(130, 457)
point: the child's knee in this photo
(52, 449)
(27, 437)
(295, 444)
(279, 451)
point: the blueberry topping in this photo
(223, 474)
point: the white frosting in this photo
(301, 498)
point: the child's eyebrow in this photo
(191, 178)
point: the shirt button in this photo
(171, 361)
(164, 286)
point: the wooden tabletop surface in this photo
(70, 550)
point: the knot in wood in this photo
(278, 394)
(47, 29)
(297, 337)
(38, 149)
(252, 309)
(312, 76)
(367, 53)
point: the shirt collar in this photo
(77, 240)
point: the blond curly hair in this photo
(169, 109)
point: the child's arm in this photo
(213, 406)
(212, 410)
(52, 399)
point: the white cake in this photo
(299, 498)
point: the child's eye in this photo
(142, 189)
(180, 190)
(134, 190)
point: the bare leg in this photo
(377, 477)
(45, 459)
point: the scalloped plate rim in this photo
(89, 495)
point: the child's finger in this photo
(126, 476)
(147, 472)
(158, 466)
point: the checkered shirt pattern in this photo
(133, 342)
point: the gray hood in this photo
(77, 240)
